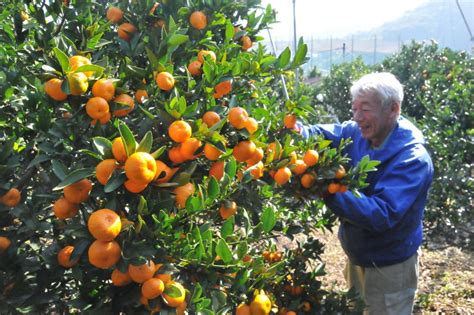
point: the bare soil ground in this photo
(446, 284)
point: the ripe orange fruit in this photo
(299, 167)
(104, 224)
(183, 193)
(198, 20)
(142, 273)
(152, 288)
(243, 309)
(211, 118)
(211, 152)
(165, 81)
(244, 150)
(140, 167)
(4, 243)
(293, 157)
(291, 313)
(124, 100)
(78, 83)
(53, 88)
(163, 172)
(189, 147)
(251, 125)
(118, 150)
(175, 156)
(78, 192)
(311, 157)
(227, 209)
(114, 14)
(64, 209)
(64, 257)
(105, 119)
(134, 187)
(194, 68)
(104, 170)
(246, 43)
(257, 170)
(343, 188)
(289, 121)
(222, 88)
(176, 300)
(261, 305)
(165, 277)
(334, 188)
(306, 306)
(341, 172)
(126, 31)
(181, 308)
(104, 255)
(238, 116)
(202, 53)
(104, 88)
(256, 157)
(180, 131)
(11, 198)
(217, 170)
(78, 61)
(141, 96)
(282, 175)
(97, 107)
(119, 278)
(307, 180)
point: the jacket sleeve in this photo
(333, 132)
(394, 194)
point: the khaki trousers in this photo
(386, 290)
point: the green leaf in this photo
(146, 143)
(142, 208)
(284, 58)
(223, 250)
(231, 167)
(103, 146)
(127, 138)
(268, 219)
(213, 188)
(59, 169)
(228, 227)
(152, 57)
(177, 39)
(75, 176)
(37, 160)
(229, 31)
(156, 154)
(91, 68)
(300, 55)
(62, 59)
(242, 249)
(115, 181)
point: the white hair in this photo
(382, 84)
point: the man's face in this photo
(375, 122)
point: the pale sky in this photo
(336, 18)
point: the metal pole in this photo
(467, 25)
(282, 78)
(330, 55)
(294, 47)
(352, 48)
(375, 49)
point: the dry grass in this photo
(446, 284)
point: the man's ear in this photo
(395, 109)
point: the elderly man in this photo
(381, 231)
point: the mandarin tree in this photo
(127, 184)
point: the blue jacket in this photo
(384, 226)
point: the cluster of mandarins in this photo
(260, 305)
(68, 205)
(104, 252)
